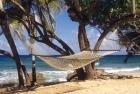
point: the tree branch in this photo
(113, 25)
(19, 6)
(6, 53)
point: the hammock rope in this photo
(75, 61)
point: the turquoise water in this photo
(112, 63)
(8, 71)
(115, 63)
(8, 62)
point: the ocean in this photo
(111, 64)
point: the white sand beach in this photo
(119, 86)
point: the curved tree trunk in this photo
(99, 42)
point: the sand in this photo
(120, 86)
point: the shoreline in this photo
(103, 76)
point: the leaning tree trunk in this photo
(5, 28)
(6, 31)
(98, 43)
(84, 45)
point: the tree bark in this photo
(32, 32)
(84, 45)
(134, 7)
(82, 38)
(6, 31)
(98, 43)
(34, 81)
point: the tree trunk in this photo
(101, 38)
(34, 81)
(134, 7)
(5, 28)
(6, 31)
(77, 5)
(98, 43)
(84, 45)
(82, 38)
(32, 32)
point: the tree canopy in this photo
(100, 12)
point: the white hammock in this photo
(74, 61)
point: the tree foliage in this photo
(99, 12)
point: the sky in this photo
(67, 30)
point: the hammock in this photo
(74, 61)
(77, 60)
